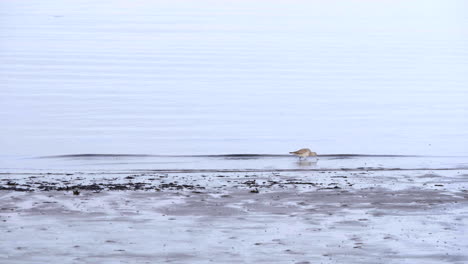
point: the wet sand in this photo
(314, 216)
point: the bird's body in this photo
(304, 153)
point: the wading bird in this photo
(304, 153)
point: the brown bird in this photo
(304, 153)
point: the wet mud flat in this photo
(306, 216)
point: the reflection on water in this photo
(307, 163)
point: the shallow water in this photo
(215, 164)
(213, 77)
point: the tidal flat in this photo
(310, 214)
(168, 89)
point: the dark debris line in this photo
(131, 186)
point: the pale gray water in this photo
(212, 77)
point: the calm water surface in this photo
(213, 77)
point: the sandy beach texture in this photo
(316, 216)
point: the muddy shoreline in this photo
(235, 217)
